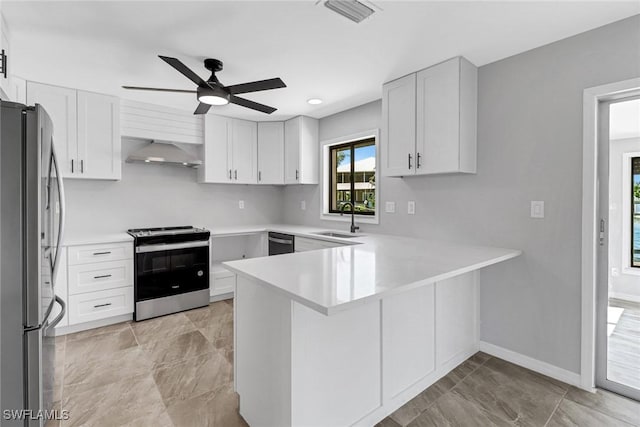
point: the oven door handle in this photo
(171, 246)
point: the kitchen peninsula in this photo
(344, 336)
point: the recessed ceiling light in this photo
(314, 101)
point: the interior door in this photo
(618, 314)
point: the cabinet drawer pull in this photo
(229, 173)
(102, 305)
(71, 165)
(235, 174)
(418, 161)
(102, 253)
(104, 276)
(259, 175)
(296, 174)
(81, 166)
(409, 160)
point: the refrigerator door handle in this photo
(62, 218)
(63, 311)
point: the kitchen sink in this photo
(334, 234)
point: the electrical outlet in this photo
(241, 204)
(390, 207)
(411, 207)
(303, 205)
(537, 209)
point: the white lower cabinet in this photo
(100, 305)
(100, 276)
(96, 281)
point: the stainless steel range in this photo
(171, 270)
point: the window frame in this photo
(352, 187)
(324, 195)
(632, 217)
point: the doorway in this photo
(618, 252)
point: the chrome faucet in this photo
(353, 210)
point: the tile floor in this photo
(177, 371)
(623, 358)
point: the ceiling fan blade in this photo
(184, 70)
(202, 108)
(250, 104)
(256, 86)
(158, 89)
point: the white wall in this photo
(160, 195)
(529, 148)
(625, 284)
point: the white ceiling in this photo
(100, 46)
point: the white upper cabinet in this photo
(61, 105)
(86, 130)
(271, 153)
(99, 136)
(244, 151)
(160, 123)
(399, 126)
(216, 154)
(429, 121)
(230, 151)
(301, 151)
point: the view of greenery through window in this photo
(352, 173)
(635, 185)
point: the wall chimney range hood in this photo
(164, 153)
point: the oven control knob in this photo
(200, 273)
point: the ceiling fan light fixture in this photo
(213, 96)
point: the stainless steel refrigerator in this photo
(31, 230)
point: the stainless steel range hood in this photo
(166, 153)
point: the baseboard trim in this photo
(535, 365)
(220, 297)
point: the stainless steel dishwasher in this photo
(281, 243)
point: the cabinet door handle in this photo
(71, 165)
(102, 305)
(259, 175)
(104, 276)
(418, 161)
(235, 174)
(81, 166)
(409, 160)
(229, 173)
(3, 54)
(102, 253)
(296, 174)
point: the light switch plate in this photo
(537, 209)
(303, 205)
(411, 207)
(241, 204)
(390, 207)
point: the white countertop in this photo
(96, 239)
(371, 267)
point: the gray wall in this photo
(529, 148)
(156, 195)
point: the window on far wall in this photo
(352, 176)
(635, 214)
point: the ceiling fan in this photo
(212, 92)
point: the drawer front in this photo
(223, 285)
(100, 305)
(100, 276)
(87, 254)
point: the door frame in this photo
(591, 99)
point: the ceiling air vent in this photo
(352, 9)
